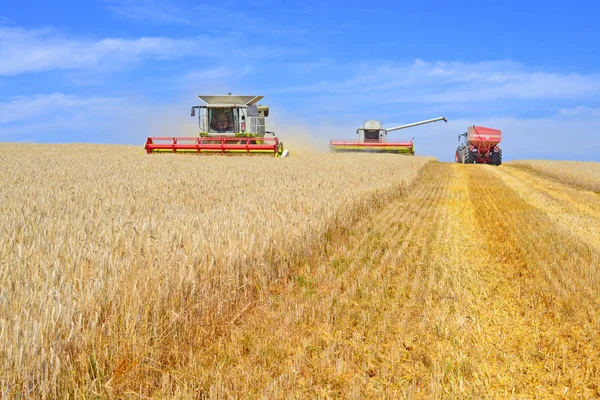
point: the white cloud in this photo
(62, 117)
(24, 50)
(35, 50)
(581, 112)
(450, 83)
(36, 107)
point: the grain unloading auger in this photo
(372, 138)
(228, 125)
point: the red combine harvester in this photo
(480, 146)
(228, 125)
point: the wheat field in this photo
(584, 174)
(480, 282)
(116, 267)
(124, 275)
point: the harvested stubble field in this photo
(125, 275)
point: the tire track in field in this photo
(368, 322)
(462, 288)
(575, 233)
(574, 210)
(547, 291)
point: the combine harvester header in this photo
(372, 138)
(228, 125)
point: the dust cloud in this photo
(299, 139)
(173, 121)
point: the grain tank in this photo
(479, 146)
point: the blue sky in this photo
(117, 71)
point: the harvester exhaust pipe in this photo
(427, 121)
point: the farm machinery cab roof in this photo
(229, 124)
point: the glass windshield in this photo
(372, 136)
(221, 120)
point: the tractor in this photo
(479, 146)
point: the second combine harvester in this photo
(372, 138)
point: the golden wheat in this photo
(116, 267)
(476, 284)
(584, 174)
(127, 275)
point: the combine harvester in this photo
(480, 146)
(372, 138)
(228, 125)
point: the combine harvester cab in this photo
(480, 146)
(233, 125)
(372, 138)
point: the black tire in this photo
(496, 158)
(458, 155)
(468, 156)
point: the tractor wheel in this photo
(470, 158)
(497, 158)
(467, 156)
(457, 156)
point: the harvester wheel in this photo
(497, 158)
(456, 157)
